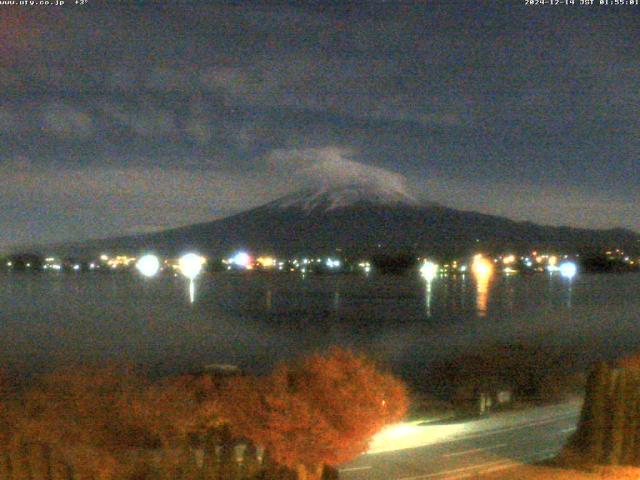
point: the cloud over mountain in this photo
(333, 166)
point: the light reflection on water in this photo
(254, 320)
(482, 294)
(428, 294)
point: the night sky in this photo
(127, 119)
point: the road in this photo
(437, 451)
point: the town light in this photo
(267, 262)
(241, 259)
(482, 270)
(331, 263)
(148, 265)
(481, 267)
(509, 259)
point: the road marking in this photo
(355, 469)
(454, 471)
(507, 465)
(474, 450)
(487, 467)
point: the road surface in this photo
(441, 450)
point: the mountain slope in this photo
(361, 219)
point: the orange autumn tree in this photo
(108, 423)
(322, 410)
(171, 410)
(75, 414)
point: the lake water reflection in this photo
(253, 320)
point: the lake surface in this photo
(253, 320)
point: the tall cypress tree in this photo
(609, 428)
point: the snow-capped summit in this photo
(342, 196)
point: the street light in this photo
(429, 270)
(482, 270)
(148, 265)
(568, 270)
(190, 266)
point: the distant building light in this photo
(332, 263)
(240, 259)
(266, 262)
(509, 259)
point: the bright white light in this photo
(568, 269)
(413, 435)
(241, 259)
(76, 267)
(429, 270)
(148, 265)
(331, 263)
(190, 265)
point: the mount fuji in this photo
(360, 219)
